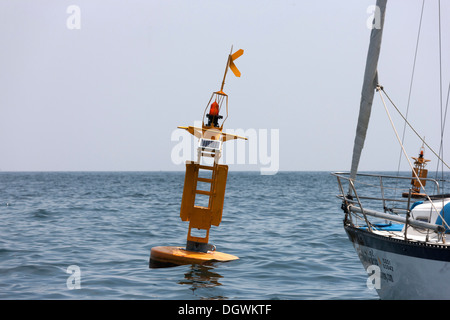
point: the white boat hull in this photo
(406, 269)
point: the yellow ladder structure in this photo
(209, 211)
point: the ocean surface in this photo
(88, 235)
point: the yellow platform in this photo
(171, 255)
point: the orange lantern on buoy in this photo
(213, 115)
(214, 110)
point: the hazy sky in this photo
(109, 95)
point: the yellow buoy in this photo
(201, 215)
(419, 175)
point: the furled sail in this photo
(369, 84)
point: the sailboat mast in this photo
(369, 85)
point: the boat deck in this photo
(395, 231)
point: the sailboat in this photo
(398, 225)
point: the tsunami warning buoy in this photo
(201, 217)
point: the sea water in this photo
(88, 235)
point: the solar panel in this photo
(210, 144)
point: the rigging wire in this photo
(441, 151)
(407, 122)
(410, 90)
(440, 61)
(380, 89)
(443, 114)
(411, 83)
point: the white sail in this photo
(369, 84)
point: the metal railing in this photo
(394, 200)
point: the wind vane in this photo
(232, 66)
